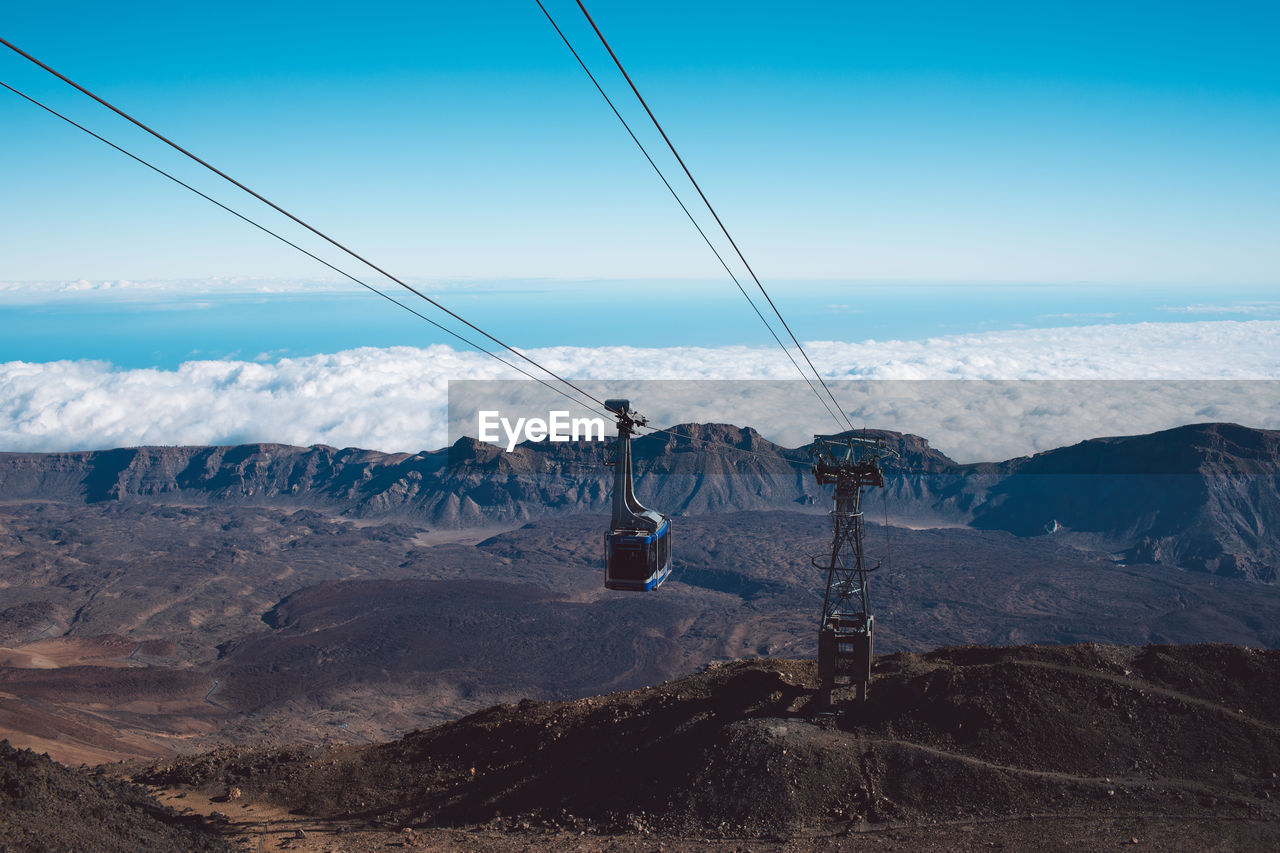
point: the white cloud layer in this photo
(395, 399)
(1254, 308)
(125, 290)
(153, 291)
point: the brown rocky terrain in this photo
(45, 806)
(1158, 747)
(142, 630)
(358, 620)
(961, 748)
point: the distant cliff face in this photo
(703, 468)
(1204, 497)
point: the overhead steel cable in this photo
(289, 242)
(286, 213)
(348, 251)
(366, 285)
(707, 202)
(680, 202)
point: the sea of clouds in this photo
(396, 399)
(125, 290)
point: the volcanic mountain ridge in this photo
(1204, 497)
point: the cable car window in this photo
(629, 564)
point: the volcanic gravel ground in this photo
(1065, 737)
(45, 806)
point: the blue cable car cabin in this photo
(638, 544)
(637, 560)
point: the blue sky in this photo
(1008, 142)
(945, 190)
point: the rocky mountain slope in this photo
(1030, 747)
(1204, 497)
(162, 600)
(45, 806)
(137, 629)
(1052, 746)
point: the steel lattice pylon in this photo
(847, 627)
